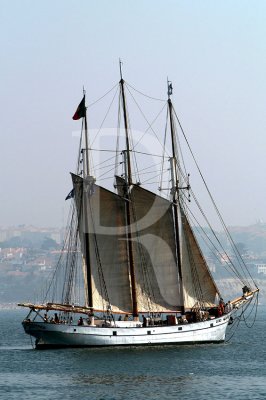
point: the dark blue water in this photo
(234, 370)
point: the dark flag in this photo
(81, 110)
(70, 194)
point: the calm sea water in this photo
(234, 370)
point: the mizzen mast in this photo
(174, 191)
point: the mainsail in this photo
(155, 256)
(158, 287)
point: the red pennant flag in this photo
(81, 110)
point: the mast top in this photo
(120, 68)
(169, 88)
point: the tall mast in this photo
(129, 173)
(86, 166)
(175, 195)
(128, 202)
(86, 172)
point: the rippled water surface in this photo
(234, 370)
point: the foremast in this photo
(175, 194)
(85, 199)
(128, 184)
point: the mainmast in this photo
(128, 203)
(175, 195)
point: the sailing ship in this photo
(145, 280)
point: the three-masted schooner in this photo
(145, 278)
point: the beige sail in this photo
(199, 288)
(105, 224)
(154, 250)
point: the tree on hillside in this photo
(49, 244)
(241, 247)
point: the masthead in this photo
(120, 67)
(169, 88)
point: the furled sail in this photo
(101, 213)
(152, 229)
(199, 288)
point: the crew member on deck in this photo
(246, 290)
(221, 305)
(228, 307)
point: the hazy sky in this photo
(213, 51)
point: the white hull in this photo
(59, 335)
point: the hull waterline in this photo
(59, 335)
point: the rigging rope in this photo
(231, 265)
(164, 143)
(241, 261)
(214, 247)
(71, 262)
(143, 260)
(149, 125)
(79, 152)
(100, 98)
(118, 152)
(102, 162)
(107, 112)
(143, 94)
(236, 320)
(104, 292)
